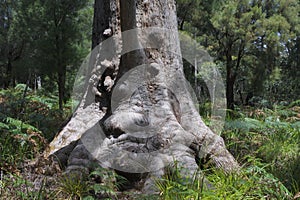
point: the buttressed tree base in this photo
(136, 114)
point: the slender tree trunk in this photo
(61, 86)
(153, 122)
(230, 78)
(61, 77)
(230, 92)
(9, 75)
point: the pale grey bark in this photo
(158, 119)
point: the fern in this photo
(20, 124)
(20, 87)
(253, 124)
(296, 125)
(50, 102)
(3, 126)
(294, 103)
(111, 182)
(245, 125)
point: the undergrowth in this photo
(273, 136)
(264, 141)
(27, 123)
(251, 182)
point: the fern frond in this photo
(20, 124)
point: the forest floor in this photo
(265, 141)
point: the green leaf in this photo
(4, 126)
(20, 124)
(88, 198)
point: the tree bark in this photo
(153, 122)
(61, 81)
(230, 80)
(100, 21)
(9, 74)
(61, 71)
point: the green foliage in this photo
(174, 186)
(19, 126)
(251, 182)
(108, 186)
(18, 141)
(271, 135)
(255, 41)
(101, 183)
(36, 109)
(48, 39)
(110, 182)
(44, 40)
(73, 186)
(186, 10)
(25, 124)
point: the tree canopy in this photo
(249, 39)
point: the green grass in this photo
(251, 182)
(73, 186)
(99, 184)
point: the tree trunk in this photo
(61, 73)
(230, 92)
(153, 122)
(230, 77)
(101, 21)
(9, 75)
(61, 86)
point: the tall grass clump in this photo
(251, 182)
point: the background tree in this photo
(11, 46)
(61, 32)
(248, 37)
(291, 70)
(44, 40)
(187, 10)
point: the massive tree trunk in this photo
(136, 114)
